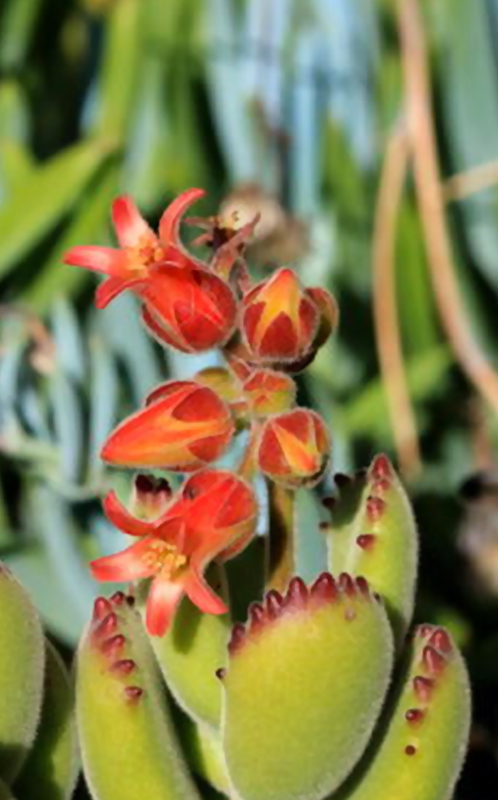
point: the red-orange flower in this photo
(281, 321)
(212, 517)
(188, 308)
(294, 448)
(140, 249)
(186, 304)
(184, 427)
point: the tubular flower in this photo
(281, 321)
(294, 448)
(132, 265)
(212, 517)
(183, 427)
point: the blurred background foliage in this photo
(287, 108)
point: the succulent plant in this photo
(38, 751)
(319, 691)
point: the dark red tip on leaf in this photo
(441, 641)
(346, 584)
(410, 750)
(133, 693)
(257, 615)
(101, 608)
(113, 645)
(423, 688)
(220, 673)
(375, 508)
(130, 600)
(324, 526)
(366, 541)
(238, 636)
(381, 467)
(118, 598)
(414, 715)
(432, 660)
(324, 587)
(108, 625)
(380, 486)
(362, 585)
(297, 593)
(124, 666)
(274, 603)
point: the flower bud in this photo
(294, 448)
(283, 323)
(183, 427)
(188, 308)
(269, 392)
(150, 496)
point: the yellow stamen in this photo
(164, 557)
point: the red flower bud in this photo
(294, 448)
(269, 392)
(188, 308)
(184, 427)
(285, 324)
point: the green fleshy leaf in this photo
(128, 744)
(419, 749)
(303, 689)
(204, 752)
(191, 652)
(21, 674)
(51, 769)
(373, 533)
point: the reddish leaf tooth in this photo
(375, 508)
(123, 667)
(366, 541)
(414, 715)
(441, 641)
(423, 688)
(108, 626)
(347, 584)
(133, 693)
(410, 750)
(111, 647)
(381, 467)
(101, 608)
(432, 660)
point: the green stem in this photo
(280, 560)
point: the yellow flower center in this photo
(165, 558)
(146, 252)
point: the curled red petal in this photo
(162, 601)
(106, 260)
(129, 224)
(128, 565)
(170, 221)
(122, 519)
(201, 594)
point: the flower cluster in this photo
(267, 332)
